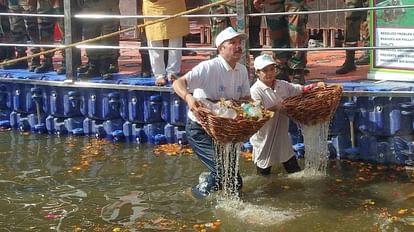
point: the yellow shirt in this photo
(169, 29)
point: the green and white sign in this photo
(392, 27)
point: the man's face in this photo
(231, 48)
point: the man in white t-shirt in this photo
(220, 77)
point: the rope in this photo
(114, 33)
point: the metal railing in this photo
(71, 21)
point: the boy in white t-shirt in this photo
(271, 144)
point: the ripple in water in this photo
(255, 214)
(124, 209)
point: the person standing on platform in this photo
(218, 24)
(364, 59)
(145, 60)
(217, 78)
(101, 62)
(254, 29)
(353, 21)
(289, 31)
(171, 30)
(58, 9)
(39, 30)
(6, 52)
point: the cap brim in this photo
(265, 64)
(242, 36)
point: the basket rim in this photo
(238, 129)
(297, 107)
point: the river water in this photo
(51, 183)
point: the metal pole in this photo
(241, 26)
(73, 34)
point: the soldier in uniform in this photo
(353, 21)
(39, 30)
(145, 60)
(364, 59)
(254, 29)
(101, 62)
(287, 31)
(219, 23)
(6, 52)
(58, 9)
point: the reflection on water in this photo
(82, 184)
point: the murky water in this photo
(52, 183)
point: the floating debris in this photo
(94, 150)
(248, 155)
(172, 150)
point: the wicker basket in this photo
(227, 130)
(315, 106)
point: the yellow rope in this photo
(114, 33)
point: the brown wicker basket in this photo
(315, 106)
(227, 130)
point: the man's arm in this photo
(180, 88)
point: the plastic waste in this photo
(220, 110)
(252, 110)
(225, 112)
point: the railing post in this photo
(242, 25)
(73, 33)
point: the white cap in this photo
(262, 61)
(228, 33)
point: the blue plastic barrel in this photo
(381, 116)
(153, 129)
(152, 108)
(5, 97)
(169, 132)
(22, 98)
(132, 108)
(178, 111)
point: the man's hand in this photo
(191, 102)
(321, 84)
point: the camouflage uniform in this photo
(288, 31)
(145, 60)
(254, 29)
(58, 9)
(39, 30)
(219, 23)
(353, 21)
(100, 60)
(364, 59)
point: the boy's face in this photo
(267, 74)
